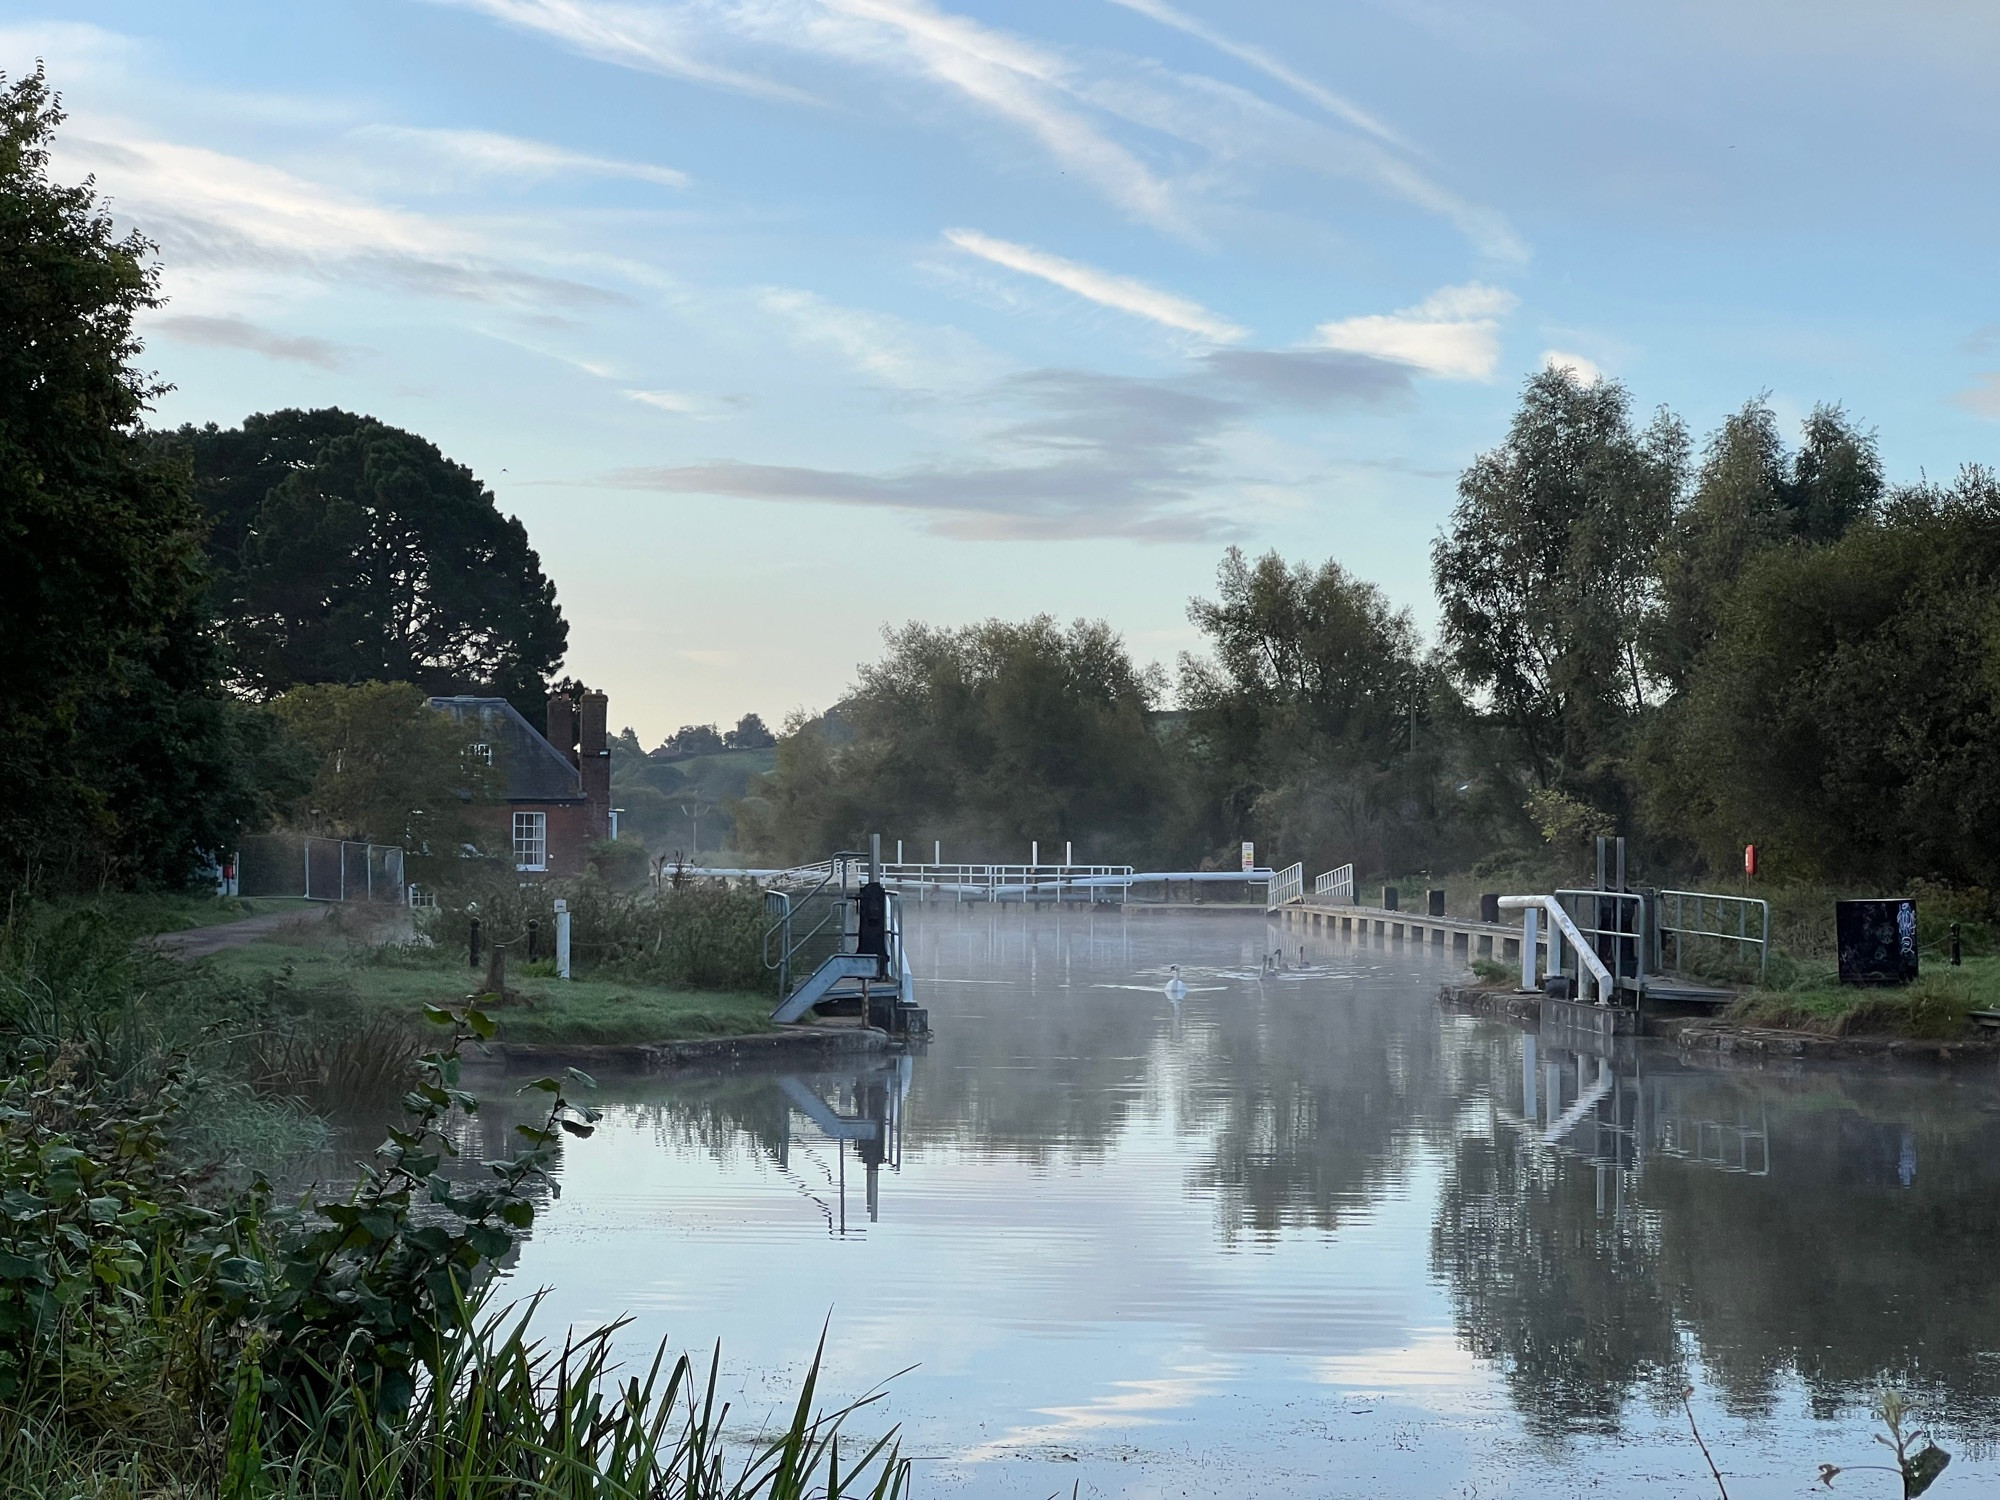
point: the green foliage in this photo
(985, 737)
(705, 935)
(1847, 716)
(1545, 573)
(620, 863)
(162, 1334)
(346, 550)
(1303, 725)
(390, 767)
(1751, 494)
(121, 760)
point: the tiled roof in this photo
(535, 770)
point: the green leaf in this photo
(437, 1015)
(546, 1085)
(581, 1077)
(481, 1025)
(581, 1132)
(1921, 1472)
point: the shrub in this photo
(703, 935)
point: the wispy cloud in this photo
(1453, 333)
(1079, 107)
(654, 38)
(1124, 293)
(888, 348)
(1983, 399)
(240, 333)
(210, 210)
(1081, 455)
(486, 155)
(1265, 63)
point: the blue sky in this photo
(777, 320)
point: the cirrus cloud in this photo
(1125, 294)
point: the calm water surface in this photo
(1299, 1235)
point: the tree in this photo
(749, 734)
(121, 759)
(1544, 575)
(1304, 718)
(1752, 494)
(691, 740)
(389, 767)
(346, 550)
(990, 736)
(1846, 716)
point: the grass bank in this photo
(397, 982)
(1938, 1006)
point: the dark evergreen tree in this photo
(346, 550)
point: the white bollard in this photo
(562, 939)
(1531, 931)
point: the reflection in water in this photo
(1602, 1214)
(1297, 1223)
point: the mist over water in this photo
(1297, 1234)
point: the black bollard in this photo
(534, 931)
(475, 943)
(1957, 957)
(1390, 898)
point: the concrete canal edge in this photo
(1705, 1040)
(790, 1046)
(1491, 1000)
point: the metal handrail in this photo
(1530, 907)
(1701, 900)
(1287, 885)
(1617, 936)
(837, 864)
(1337, 883)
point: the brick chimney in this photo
(594, 761)
(562, 725)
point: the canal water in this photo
(1299, 1233)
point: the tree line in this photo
(1697, 648)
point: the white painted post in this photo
(1069, 848)
(562, 939)
(899, 851)
(1034, 852)
(1531, 930)
(937, 852)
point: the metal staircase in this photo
(835, 939)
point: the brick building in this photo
(556, 787)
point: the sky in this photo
(780, 321)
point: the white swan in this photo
(1176, 988)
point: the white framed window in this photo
(531, 841)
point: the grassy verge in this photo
(398, 983)
(1938, 1005)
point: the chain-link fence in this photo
(320, 869)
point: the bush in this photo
(703, 935)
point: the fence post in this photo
(533, 934)
(474, 956)
(562, 939)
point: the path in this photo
(200, 942)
